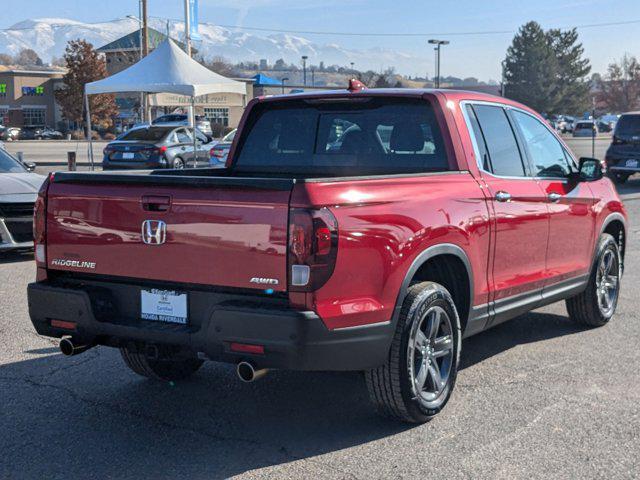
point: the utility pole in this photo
(438, 44)
(304, 70)
(313, 77)
(145, 29)
(187, 27)
(145, 51)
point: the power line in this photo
(360, 34)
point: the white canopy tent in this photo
(168, 69)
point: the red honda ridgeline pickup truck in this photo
(351, 230)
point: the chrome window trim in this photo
(474, 141)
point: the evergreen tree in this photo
(573, 85)
(84, 65)
(546, 70)
(531, 69)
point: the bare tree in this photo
(619, 89)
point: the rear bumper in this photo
(295, 340)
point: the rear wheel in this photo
(178, 163)
(167, 364)
(418, 378)
(619, 178)
(596, 305)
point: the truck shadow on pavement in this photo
(89, 417)
(16, 257)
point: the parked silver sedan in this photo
(18, 192)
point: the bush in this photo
(79, 135)
(108, 136)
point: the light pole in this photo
(438, 44)
(352, 64)
(284, 79)
(304, 69)
(313, 77)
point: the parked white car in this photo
(18, 192)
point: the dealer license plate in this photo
(128, 155)
(163, 306)
(631, 164)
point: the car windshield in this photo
(628, 125)
(8, 164)
(584, 125)
(371, 136)
(153, 134)
(170, 118)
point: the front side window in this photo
(184, 136)
(504, 157)
(545, 151)
(370, 136)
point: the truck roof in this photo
(448, 94)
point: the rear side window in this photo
(628, 125)
(504, 157)
(368, 136)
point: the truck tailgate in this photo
(222, 231)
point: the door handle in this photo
(503, 196)
(554, 197)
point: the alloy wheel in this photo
(430, 356)
(607, 282)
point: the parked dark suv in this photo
(162, 146)
(623, 155)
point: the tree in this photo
(220, 66)
(531, 69)
(28, 57)
(572, 82)
(619, 89)
(84, 65)
(6, 59)
(546, 70)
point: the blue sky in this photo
(472, 55)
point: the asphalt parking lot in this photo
(536, 397)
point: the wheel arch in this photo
(443, 263)
(616, 225)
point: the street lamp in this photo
(352, 64)
(438, 44)
(284, 79)
(304, 69)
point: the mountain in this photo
(49, 36)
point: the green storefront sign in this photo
(3, 89)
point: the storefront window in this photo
(217, 115)
(34, 117)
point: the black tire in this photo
(588, 308)
(619, 178)
(392, 386)
(168, 366)
(178, 163)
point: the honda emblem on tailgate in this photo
(154, 232)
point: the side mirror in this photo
(30, 166)
(591, 169)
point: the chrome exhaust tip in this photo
(248, 373)
(68, 348)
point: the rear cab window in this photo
(342, 137)
(628, 125)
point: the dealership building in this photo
(27, 97)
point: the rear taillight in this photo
(313, 248)
(40, 223)
(216, 152)
(160, 150)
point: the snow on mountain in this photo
(49, 37)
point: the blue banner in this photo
(193, 16)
